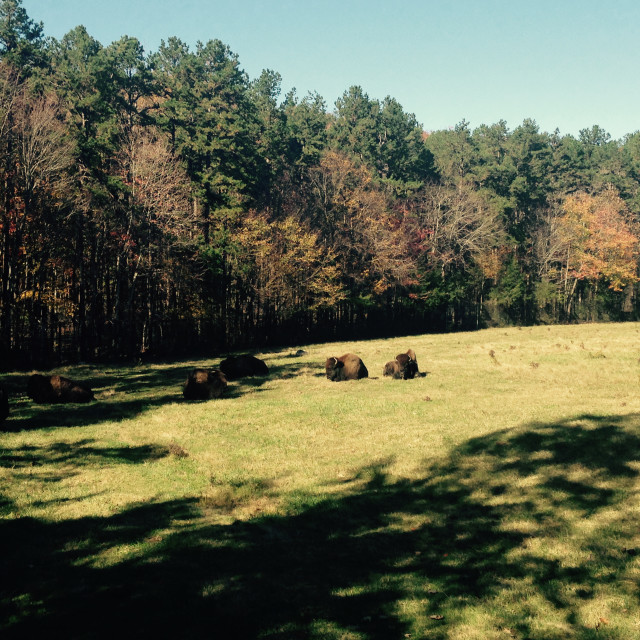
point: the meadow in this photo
(496, 497)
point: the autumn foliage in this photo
(599, 237)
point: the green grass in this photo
(497, 497)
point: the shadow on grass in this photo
(36, 416)
(123, 393)
(285, 371)
(374, 561)
(70, 457)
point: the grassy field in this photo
(497, 497)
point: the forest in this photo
(162, 204)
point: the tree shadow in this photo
(281, 371)
(474, 530)
(292, 369)
(125, 392)
(71, 457)
(121, 394)
(38, 416)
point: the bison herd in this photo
(350, 367)
(207, 384)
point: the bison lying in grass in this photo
(243, 366)
(404, 367)
(4, 404)
(57, 390)
(204, 384)
(346, 367)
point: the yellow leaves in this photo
(599, 239)
(490, 262)
(355, 215)
(284, 262)
(27, 295)
(380, 286)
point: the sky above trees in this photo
(567, 65)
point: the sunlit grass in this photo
(495, 497)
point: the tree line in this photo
(165, 203)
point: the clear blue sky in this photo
(568, 64)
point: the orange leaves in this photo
(490, 261)
(599, 240)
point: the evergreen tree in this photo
(454, 153)
(270, 136)
(357, 126)
(307, 123)
(382, 136)
(403, 154)
(21, 39)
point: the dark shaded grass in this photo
(76, 455)
(344, 562)
(122, 394)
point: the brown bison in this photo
(4, 404)
(392, 370)
(243, 366)
(346, 367)
(57, 390)
(404, 367)
(204, 384)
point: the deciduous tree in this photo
(600, 243)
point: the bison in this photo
(243, 366)
(57, 390)
(346, 367)
(204, 384)
(392, 370)
(404, 367)
(4, 404)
